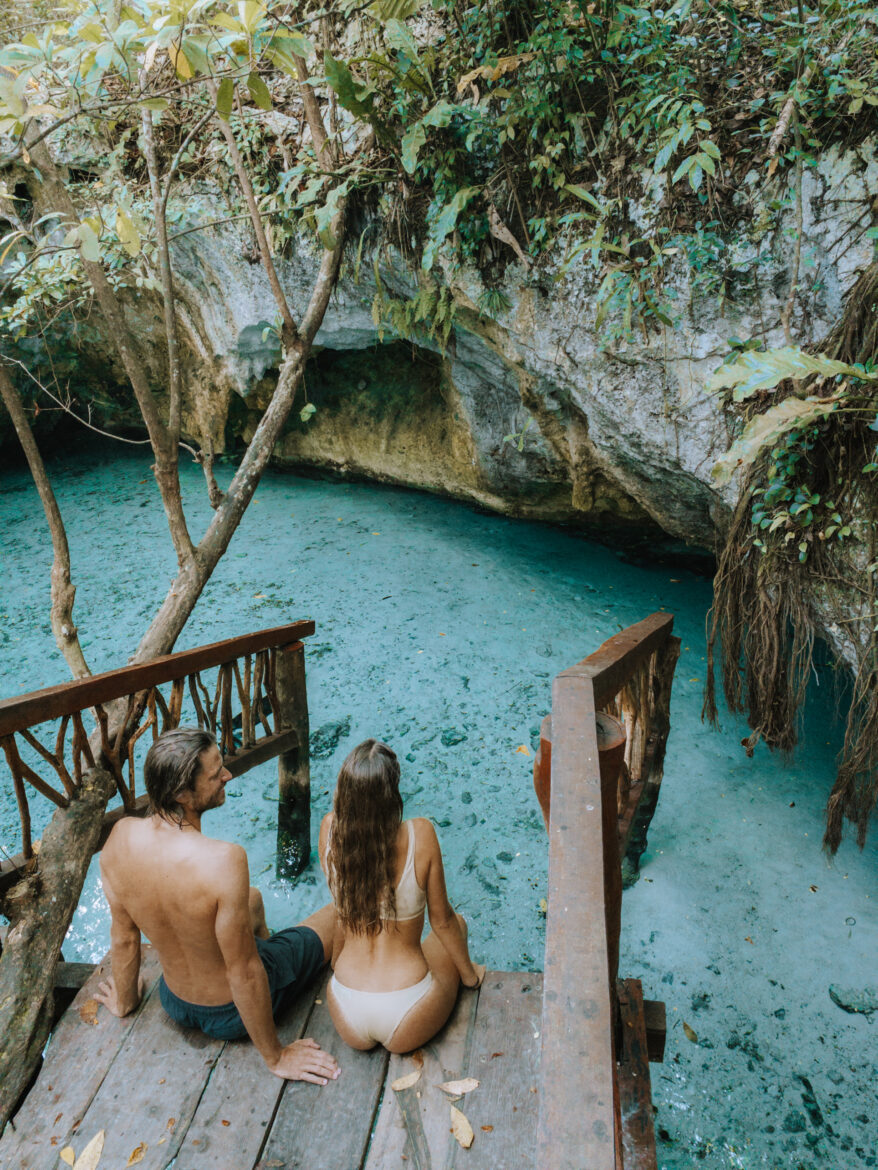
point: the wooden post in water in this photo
(293, 766)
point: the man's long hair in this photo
(362, 849)
(171, 768)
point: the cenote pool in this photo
(439, 629)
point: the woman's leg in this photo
(423, 1021)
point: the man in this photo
(191, 896)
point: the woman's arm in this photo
(443, 920)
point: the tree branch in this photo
(290, 331)
(166, 468)
(167, 277)
(63, 590)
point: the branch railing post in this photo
(294, 765)
(597, 787)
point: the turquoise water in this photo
(439, 629)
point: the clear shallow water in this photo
(439, 629)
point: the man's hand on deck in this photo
(108, 994)
(305, 1060)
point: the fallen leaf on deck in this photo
(407, 1081)
(58, 1116)
(224, 1122)
(67, 1155)
(137, 1154)
(456, 1088)
(522, 749)
(813, 889)
(91, 1155)
(750, 941)
(172, 1121)
(689, 1033)
(88, 1013)
(493, 1054)
(418, 1058)
(461, 1128)
(488, 1128)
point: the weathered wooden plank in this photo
(149, 1096)
(82, 1050)
(239, 1103)
(328, 1125)
(612, 663)
(81, 694)
(638, 1124)
(577, 1122)
(412, 1131)
(505, 1059)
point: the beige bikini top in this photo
(410, 898)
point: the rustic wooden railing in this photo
(257, 707)
(596, 1033)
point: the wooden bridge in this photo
(561, 1058)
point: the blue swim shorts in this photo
(291, 958)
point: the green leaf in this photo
(307, 410)
(155, 103)
(293, 42)
(708, 147)
(581, 193)
(385, 10)
(225, 96)
(754, 371)
(89, 247)
(412, 141)
(250, 13)
(445, 223)
(398, 37)
(766, 429)
(259, 94)
(340, 78)
(684, 168)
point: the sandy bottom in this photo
(439, 629)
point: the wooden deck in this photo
(167, 1095)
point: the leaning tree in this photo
(159, 90)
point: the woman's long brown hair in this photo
(362, 850)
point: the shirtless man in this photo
(191, 896)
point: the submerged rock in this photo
(326, 739)
(849, 999)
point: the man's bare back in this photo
(191, 896)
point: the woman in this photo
(388, 987)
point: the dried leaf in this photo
(522, 749)
(418, 1058)
(461, 1128)
(501, 232)
(407, 1081)
(91, 1155)
(496, 1054)
(488, 1128)
(137, 1154)
(689, 1033)
(456, 1088)
(88, 1012)
(67, 1155)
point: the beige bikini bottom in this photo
(373, 1016)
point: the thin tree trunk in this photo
(63, 590)
(166, 468)
(40, 910)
